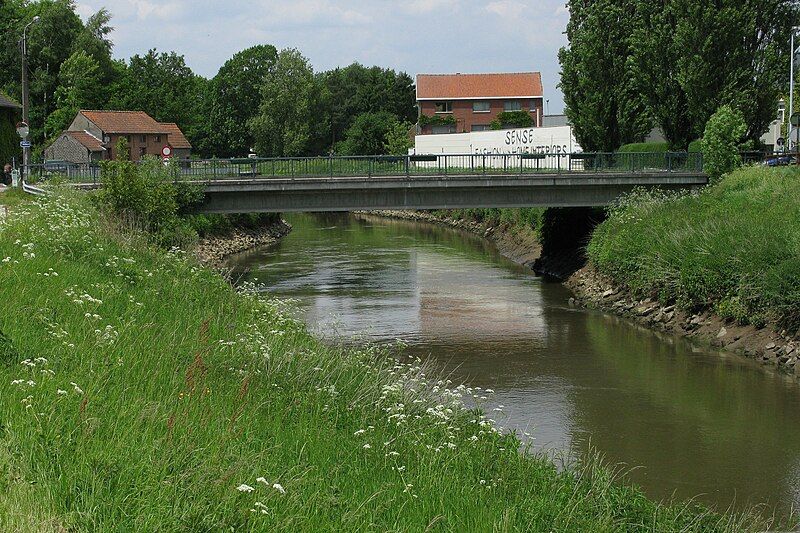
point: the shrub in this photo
(512, 119)
(146, 194)
(724, 131)
(661, 147)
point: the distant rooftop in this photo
(474, 86)
(124, 121)
(7, 101)
(176, 137)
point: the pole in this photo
(26, 152)
(791, 88)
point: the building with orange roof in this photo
(463, 103)
(93, 136)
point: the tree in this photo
(234, 98)
(369, 134)
(655, 55)
(734, 53)
(602, 101)
(356, 89)
(163, 86)
(286, 117)
(398, 141)
(79, 87)
(723, 133)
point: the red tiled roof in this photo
(468, 86)
(92, 143)
(124, 122)
(175, 136)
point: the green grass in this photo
(13, 197)
(157, 391)
(734, 248)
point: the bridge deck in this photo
(420, 182)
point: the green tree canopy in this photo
(602, 101)
(234, 97)
(163, 86)
(287, 116)
(79, 87)
(357, 89)
(371, 133)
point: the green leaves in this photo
(723, 133)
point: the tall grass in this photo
(139, 392)
(735, 247)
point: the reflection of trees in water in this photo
(696, 421)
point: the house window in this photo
(480, 127)
(142, 151)
(480, 107)
(512, 105)
(158, 138)
(444, 107)
(447, 128)
(142, 139)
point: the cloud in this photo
(413, 36)
(507, 9)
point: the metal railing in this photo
(395, 166)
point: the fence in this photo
(409, 166)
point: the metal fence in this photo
(399, 166)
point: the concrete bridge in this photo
(433, 192)
(424, 181)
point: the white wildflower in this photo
(279, 488)
(245, 488)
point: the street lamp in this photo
(25, 104)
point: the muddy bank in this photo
(213, 250)
(519, 245)
(778, 349)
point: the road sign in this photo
(25, 144)
(166, 151)
(23, 130)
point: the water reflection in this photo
(697, 422)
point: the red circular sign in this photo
(166, 151)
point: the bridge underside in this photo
(439, 192)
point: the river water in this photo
(693, 422)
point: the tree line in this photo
(263, 99)
(634, 64)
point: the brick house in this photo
(93, 136)
(463, 103)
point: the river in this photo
(693, 422)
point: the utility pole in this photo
(26, 151)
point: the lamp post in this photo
(792, 55)
(26, 151)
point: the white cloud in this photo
(413, 35)
(508, 9)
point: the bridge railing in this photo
(397, 166)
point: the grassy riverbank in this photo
(734, 248)
(140, 392)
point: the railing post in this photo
(330, 165)
(445, 165)
(408, 165)
(369, 167)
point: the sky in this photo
(415, 36)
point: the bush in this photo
(368, 135)
(633, 148)
(146, 194)
(512, 119)
(696, 147)
(724, 132)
